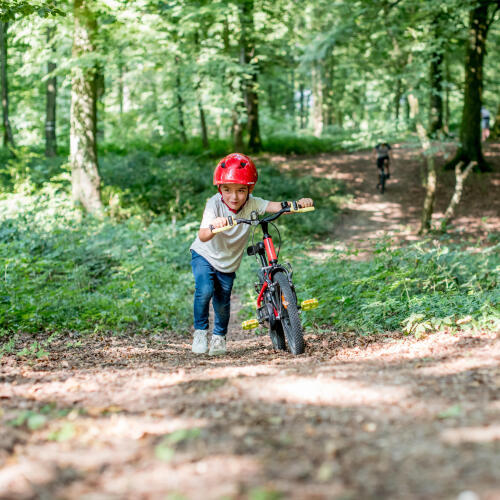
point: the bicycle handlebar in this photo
(269, 218)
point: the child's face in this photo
(234, 195)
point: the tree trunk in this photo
(100, 109)
(302, 107)
(397, 100)
(203, 125)
(291, 99)
(460, 177)
(317, 100)
(431, 178)
(237, 131)
(271, 98)
(154, 95)
(430, 196)
(436, 83)
(446, 124)
(51, 93)
(232, 82)
(430, 190)
(247, 59)
(180, 101)
(327, 91)
(120, 85)
(8, 138)
(470, 128)
(201, 111)
(83, 143)
(495, 131)
(436, 97)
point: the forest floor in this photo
(379, 416)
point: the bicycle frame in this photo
(268, 258)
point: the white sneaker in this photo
(200, 342)
(217, 345)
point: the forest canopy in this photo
(250, 71)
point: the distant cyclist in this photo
(383, 155)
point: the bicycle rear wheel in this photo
(289, 312)
(382, 182)
(277, 337)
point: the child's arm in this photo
(205, 233)
(275, 206)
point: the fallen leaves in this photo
(351, 409)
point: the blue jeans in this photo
(211, 284)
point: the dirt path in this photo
(396, 213)
(376, 417)
(353, 418)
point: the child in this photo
(216, 257)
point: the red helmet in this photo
(236, 169)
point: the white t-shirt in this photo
(225, 250)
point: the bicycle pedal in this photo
(249, 324)
(309, 304)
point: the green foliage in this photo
(61, 270)
(9, 9)
(179, 187)
(422, 288)
(303, 144)
(26, 170)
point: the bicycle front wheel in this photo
(289, 312)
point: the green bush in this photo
(178, 187)
(419, 288)
(60, 271)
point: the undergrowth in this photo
(422, 288)
(62, 271)
(129, 270)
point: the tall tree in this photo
(480, 20)
(248, 59)
(7, 130)
(83, 135)
(179, 100)
(436, 80)
(234, 86)
(51, 95)
(201, 111)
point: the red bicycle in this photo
(277, 307)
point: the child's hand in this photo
(220, 222)
(305, 202)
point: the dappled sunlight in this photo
(320, 391)
(211, 477)
(24, 478)
(488, 434)
(180, 422)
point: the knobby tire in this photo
(277, 337)
(382, 182)
(290, 319)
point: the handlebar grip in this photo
(225, 228)
(305, 209)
